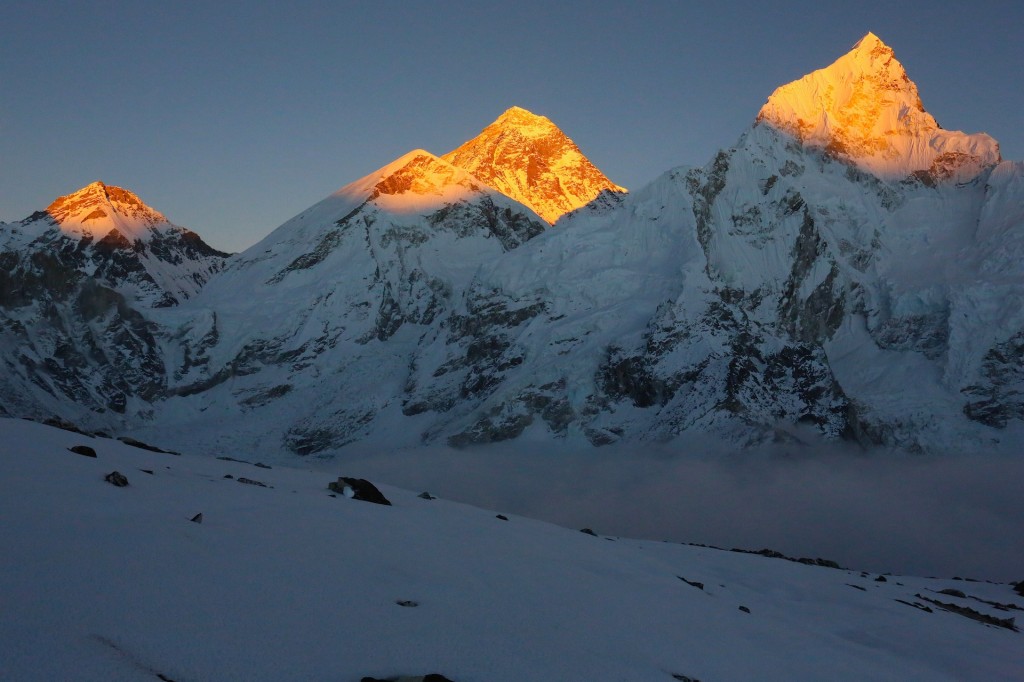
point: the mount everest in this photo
(847, 266)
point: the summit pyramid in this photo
(528, 158)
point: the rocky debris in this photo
(881, 579)
(127, 440)
(953, 593)
(147, 471)
(62, 424)
(692, 583)
(116, 478)
(588, 531)
(744, 609)
(249, 481)
(358, 489)
(198, 518)
(1019, 588)
(407, 603)
(431, 677)
(856, 587)
(502, 517)
(773, 554)
(968, 612)
(228, 476)
(261, 465)
(83, 450)
(684, 678)
(426, 496)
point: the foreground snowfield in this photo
(286, 582)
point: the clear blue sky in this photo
(232, 117)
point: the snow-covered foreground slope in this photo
(285, 581)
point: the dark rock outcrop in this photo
(358, 489)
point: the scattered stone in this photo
(261, 465)
(249, 481)
(426, 496)
(881, 579)
(684, 678)
(1019, 588)
(744, 609)
(856, 587)
(588, 531)
(198, 518)
(953, 593)
(332, 495)
(232, 459)
(407, 603)
(502, 517)
(358, 489)
(228, 476)
(116, 478)
(147, 471)
(692, 583)
(83, 450)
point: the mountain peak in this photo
(528, 158)
(98, 208)
(519, 117)
(864, 109)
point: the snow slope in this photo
(288, 582)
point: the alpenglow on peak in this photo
(528, 158)
(864, 109)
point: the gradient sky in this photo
(231, 118)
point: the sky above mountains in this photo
(231, 118)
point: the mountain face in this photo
(526, 157)
(336, 300)
(78, 285)
(847, 268)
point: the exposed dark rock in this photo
(249, 481)
(692, 583)
(144, 446)
(953, 593)
(198, 518)
(684, 678)
(426, 496)
(432, 677)
(65, 425)
(228, 476)
(856, 587)
(358, 489)
(83, 450)
(502, 517)
(967, 612)
(147, 471)
(588, 531)
(880, 579)
(1019, 588)
(744, 609)
(407, 603)
(116, 478)
(261, 465)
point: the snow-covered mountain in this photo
(847, 267)
(78, 284)
(526, 157)
(335, 303)
(278, 577)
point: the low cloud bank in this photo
(954, 515)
